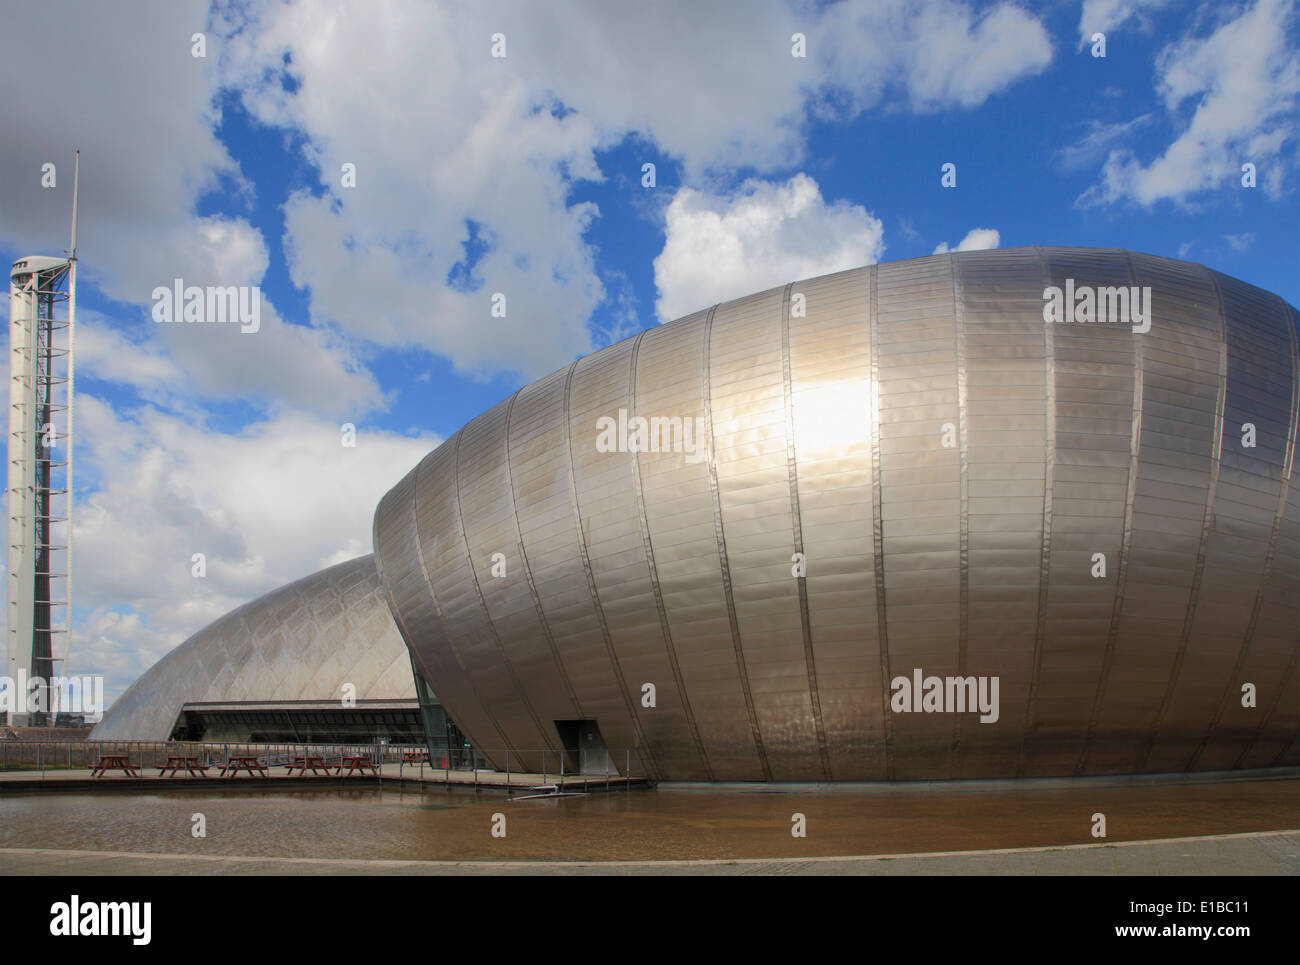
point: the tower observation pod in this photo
(42, 305)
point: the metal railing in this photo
(561, 769)
(71, 755)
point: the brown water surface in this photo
(643, 825)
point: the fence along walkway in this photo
(25, 765)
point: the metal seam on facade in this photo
(437, 609)
(1202, 550)
(1288, 676)
(1288, 471)
(642, 745)
(528, 569)
(1258, 604)
(728, 593)
(543, 733)
(801, 583)
(1284, 483)
(963, 497)
(657, 590)
(1126, 542)
(877, 521)
(1286, 748)
(1045, 545)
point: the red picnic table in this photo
(237, 762)
(181, 762)
(113, 762)
(356, 762)
(302, 763)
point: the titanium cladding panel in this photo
(852, 482)
(299, 642)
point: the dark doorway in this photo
(585, 750)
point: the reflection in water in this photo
(444, 824)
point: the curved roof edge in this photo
(302, 641)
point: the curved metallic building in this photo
(301, 642)
(896, 470)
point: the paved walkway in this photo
(1258, 853)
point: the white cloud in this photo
(1105, 15)
(120, 646)
(267, 505)
(1242, 241)
(289, 365)
(108, 354)
(938, 54)
(486, 140)
(1244, 82)
(1099, 140)
(145, 125)
(722, 247)
(441, 135)
(178, 366)
(954, 59)
(977, 239)
(438, 141)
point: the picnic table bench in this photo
(237, 762)
(355, 762)
(113, 762)
(302, 763)
(181, 762)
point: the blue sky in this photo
(523, 175)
